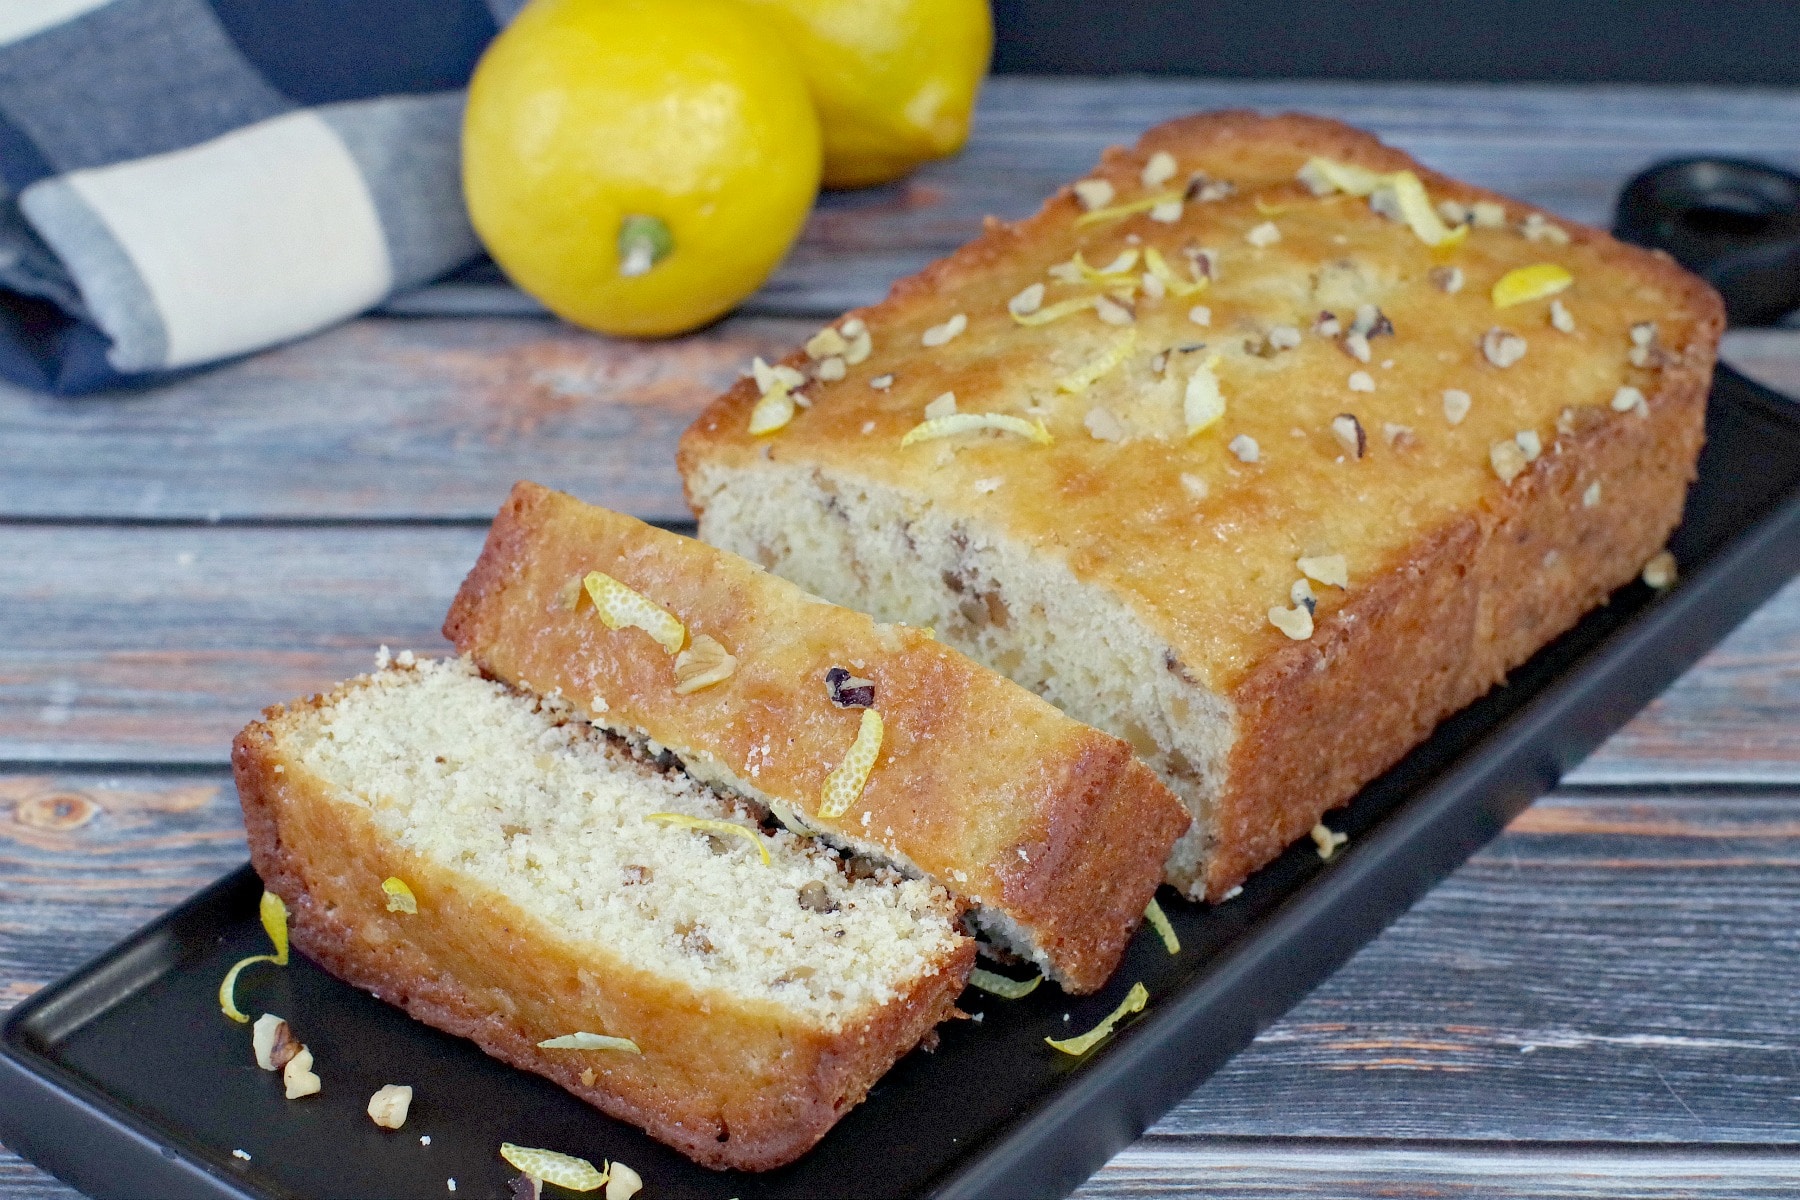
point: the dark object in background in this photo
(1732, 222)
(1501, 41)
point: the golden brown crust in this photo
(729, 1083)
(981, 785)
(1449, 583)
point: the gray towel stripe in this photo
(408, 149)
(111, 287)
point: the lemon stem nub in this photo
(643, 242)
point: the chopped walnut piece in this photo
(882, 383)
(1486, 214)
(704, 663)
(622, 1183)
(1560, 318)
(1200, 315)
(273, 1042)
(847, 690)
(1296, 622)
(1283, 337)
(1371, 322)
(1630, 399)
(943, 406)
(1094, 193)
(1536, 228)
(1507, 459)
(1112, 312)
(1361, 381)
(1327, 325)
(861, 345)
(814, 897)
(826, 343)
(1263, 235)
(1349, 431)
(298, 1076)
(1659, 572)
(1244, 447)
(1166, 213)
(1159, 170)
(1301, 593)
(1356, 345)
(1104, 426)
(1333, 570)
(937, 335)
(1454, 212)
(1456, 405)
(1591, 497)
(1530, 444)
(389, 1105)
(1396, 435)
(1027, 301)
(1327, 841)
(1194, 486)
(1501, 347)
(1448, 280)
(831, 369)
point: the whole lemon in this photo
(895, 80)
(640, 166)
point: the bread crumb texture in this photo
(1127, 572)
(511, 791)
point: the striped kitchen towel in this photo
(188, 180)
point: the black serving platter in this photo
(125, 1080)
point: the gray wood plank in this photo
(1284, 1169)
(1597, 996)
(155, 644)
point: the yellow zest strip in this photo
(728, 827)
(1159, 921)
(844, 786)
(589, 1041)
(620, 607)
(274, 923)
(1116, 271)
(1177, 286)
(1125, 210)
(1203, 405)
(1002, 986)
(1088, 373)
(564, 1170)
(1523, 284)
(1134, 1002)
(1052, 312)
(772, 411)
(960, 423)
(400, 898)
(1415, 206)
(1345, 177)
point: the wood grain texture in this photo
(1591, 1002)
(155, 644)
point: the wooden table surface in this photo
(1606, 1001)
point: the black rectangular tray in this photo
(125, 1080)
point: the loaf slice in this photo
(1267, 479)
(555, 895)
(1051, 831)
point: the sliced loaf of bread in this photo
(1263, 447)
(558, 882)
(1051, 831)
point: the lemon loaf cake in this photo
(1262, 447)
(502, 870)
(1052, 832)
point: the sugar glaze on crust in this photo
(1469, 542)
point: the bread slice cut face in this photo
(564, 882)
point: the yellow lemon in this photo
(895, 80)
(640, 166)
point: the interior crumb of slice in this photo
(868, 547)
(509, 790)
